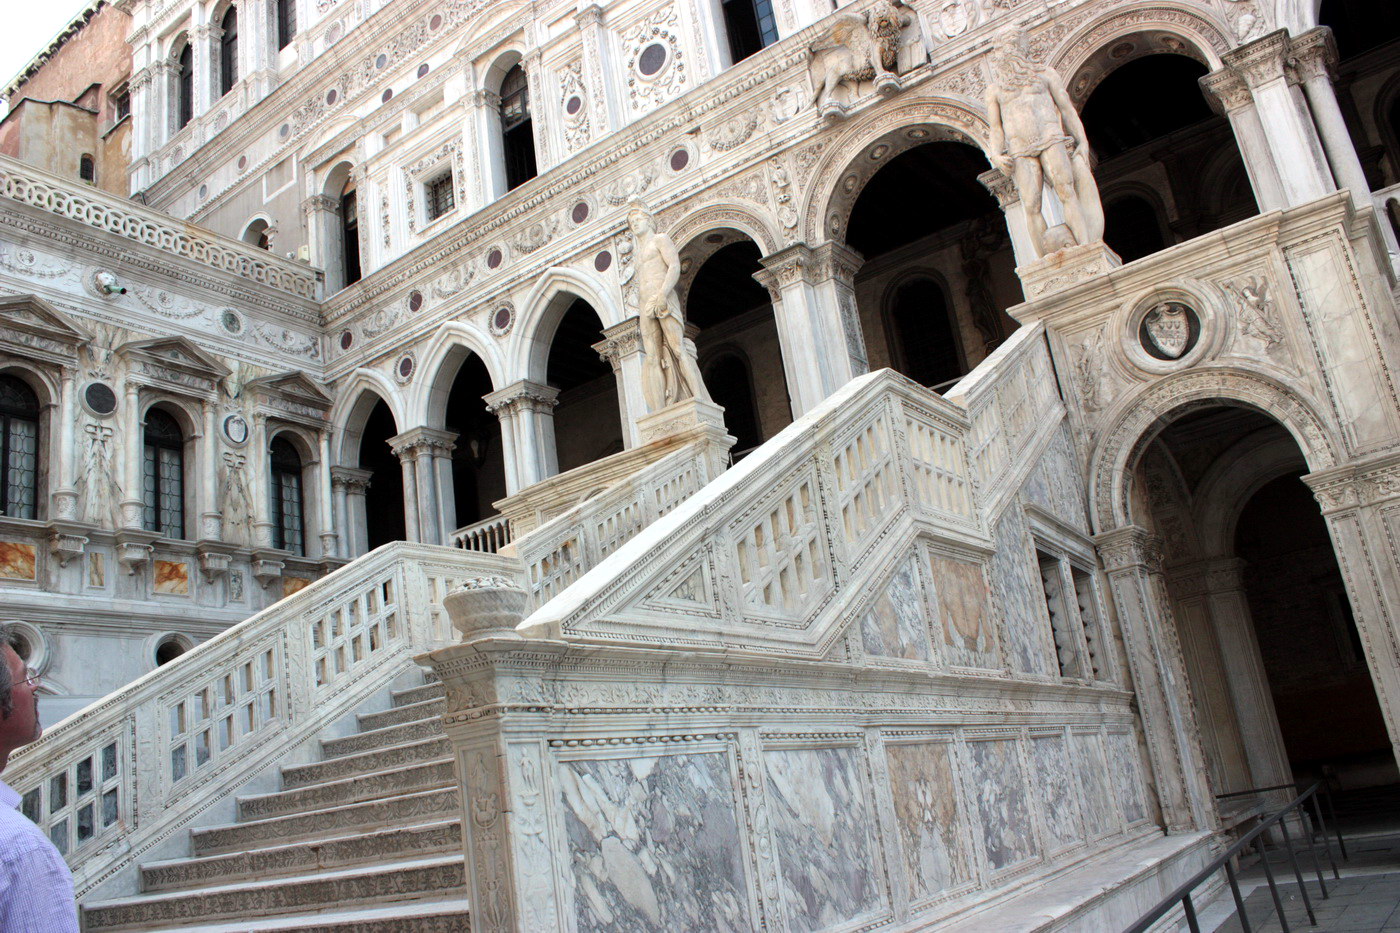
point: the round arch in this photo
(1242, 470)
(1141, 419)
(443, 357)
(754, 224)
(177, 408)
(544, 308)
(301, 440)
(353, 404)
(869, 143)
(40, 381)
(495, 73)
(1091, 54)
(337, 177)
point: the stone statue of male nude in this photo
(669, 373)
(1036, 134)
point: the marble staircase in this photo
(366, 839)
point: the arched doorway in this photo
(1178, 147)
(587, 423)
(1279, 686)
(384, 520)
(939, 270)
(478, 459)
(737, 338)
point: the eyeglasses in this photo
(31, 678)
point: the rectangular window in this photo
(749, 25)
(21, 446)
(286, 22)
(439, 195)
(1064, 620)
(121, 104)
(286, 502)
(163, 491)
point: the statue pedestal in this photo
(688, 421)
(1066, 268)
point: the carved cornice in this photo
(591, 15)
(1355, 485)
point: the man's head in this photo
(19, 702)
(639, 219)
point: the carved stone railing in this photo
(111, 783)
(488, 535)
(1387, 201)
(563, 549)
(102, 211)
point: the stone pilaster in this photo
(604, 105)
(526, 410)
(205, 41)
(323, 230)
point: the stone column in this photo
(258, 485)
(1004, 190)
(144, 118)
(1228, 94)
(65, 492)
(350, 484)
(622, 349)
(1314, 56)
(526, 410)
(1132, 560)
(211, 520)
(426, 455)
(257, 47)
(489, 144)
(604, 105)
(1288, 128)
(323, 238)
(1358, 501)
(132, 507)
(818, 325)
(325, 507)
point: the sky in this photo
(28, 27)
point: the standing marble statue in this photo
(1036, 134)
(669, 372)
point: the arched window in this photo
(1131, 228)
(257, 234)
(286, 22)
(163, 476)
(19, 448)
(184, 91)
(228, 51)
(350, 232)
(287, 514)
(517, 129)
(925, 339)
(750, 26)
(87, 168)
(731, 386)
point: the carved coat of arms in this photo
(1168, 326)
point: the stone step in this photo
(420, 915)
(400, 843)
(371, 739)
(429, 691)
(439, 803)
(366, 884)
(398, 715)
(381, 759)
(390, 782)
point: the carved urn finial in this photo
(486, 607)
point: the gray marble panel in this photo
(1016, 584)
(822, 831)
(654, 844)
(895, 626)
(1055, 484)
(926, 807)
(1123, 758)
(1100, 811)
(1002, 807)
(962, 612)
(1058, 795)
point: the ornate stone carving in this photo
(856, 48)
(669, 373)
(1255, 310)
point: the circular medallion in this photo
(422, 69)
(332, 96)
(242, 163)
(680, 159)
(652, 59)
(573, 105)
(494, 259)
(284, 129)
(333, 34)
(99, 398)
(436, 22)
(603, 261)
(347, 340)
(714, 238)
(381, 60)
(403, 372)
(502, 319)
(1169, 330)
(203, 192)
(386, 96)
(580, 212)
(236, 429)
(231, 321)
(415, 300)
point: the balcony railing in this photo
(488, 536)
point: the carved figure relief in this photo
(236, 501)
(96, 487)
(858, 48)
(1258, 316)
(1037, 136)
(669, 372)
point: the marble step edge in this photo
(328, 770)
(432, 915)
(302, 857)
(387, 782)
(360, 884)
(382, 737)
(437, 802)
(398, 715)
(428, 691)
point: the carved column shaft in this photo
(426, 455)
(325, 507)
(1228, 94)
(622, 349)
(258, 465)
(323, 230)
(65, 495)
(350, 485)
(131, 505)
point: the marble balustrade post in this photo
(1132, 561)
(621, 348)
(1228, 94)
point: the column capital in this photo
(1354, 485)
(320, 202)
(1262, 61)
(1314, 53)
(1226, 91)
(352, 479)
(486, 99)
(621, 340)
(1002, 187)
(1131, 546)
(810, 265)
(415, 440)
(591, 15)
(524, 394)
(1206, 577)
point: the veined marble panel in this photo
(17, 560)
(1002, 808)
(654, 843)
(1019, 594)
(895, 626)
(926, 807)
(961, 611)
(1123, 759)
(1055, 486)
(172, 577)
(1058, 795)
(1100, 817)
(822, 832)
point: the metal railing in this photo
(1182, 895)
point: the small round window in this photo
(652, 59)
(169, 648)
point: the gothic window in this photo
(163, 475)
(286, 22)
(750, 26)
(228, 51)
(287, 514)
(184, 91)
(517, 129)
(19, 448)
(926, 344)
(87, 168)
(350, 232)
(439, 195)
